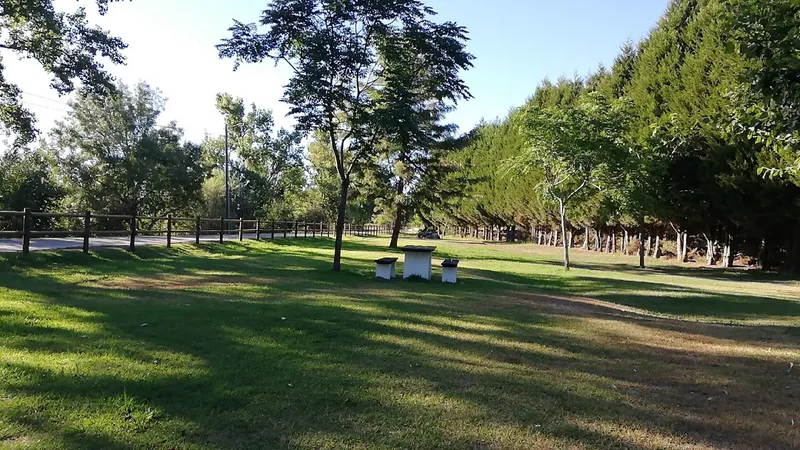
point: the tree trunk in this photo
(711, 250)
(337, 252)
(641, 244)
(657, 249)
(586, 239)
(398, 223)
(555, 238)
(541, 234)
(727, 257)
(794, 254)
(765, 256)
(625, 246)
(608, 243)
(685, 247)
(563, 210)
(726, 250)
(398, 219)
(597, 243)
(614, 242)
(649, 245)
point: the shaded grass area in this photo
(259, 345)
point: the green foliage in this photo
(118, 160)
(266, 166)
(421, 73)
(711, 96)
(65, 45)
(339, 52)
(29, 179)
(768, 35)
(574, 146)
(368, 188)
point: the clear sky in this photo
(517, 43)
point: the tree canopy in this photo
(68, 48)
(119, 160)
(334, 50)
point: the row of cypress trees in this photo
(720, 183)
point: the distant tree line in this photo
(691, 136)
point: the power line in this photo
(29, 103)
(45, 98)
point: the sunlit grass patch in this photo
(261, 345)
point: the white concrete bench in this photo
(449, 271)
(385, 268)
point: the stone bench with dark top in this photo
(450, 263)
(385, 268)
(450, 270)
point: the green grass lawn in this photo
(260, 345)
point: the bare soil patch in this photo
(175, 282)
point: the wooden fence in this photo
(174, 226)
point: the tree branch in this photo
(578, 189)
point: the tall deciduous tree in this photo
(576, 147)
(420, 81)
(66, 46)
(266, 165)
(332, 49)
(119, 160)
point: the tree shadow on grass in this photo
(318, 359)
(654, 266)
(660, 298)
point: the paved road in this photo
(15, 245)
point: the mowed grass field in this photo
(260, 345)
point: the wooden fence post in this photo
(285, 229)
(169, 230)
(258, 229)
(272, 233)
(197, 231)
(305, 229)
(296, 226)
(241, 229)
(132, 246)
(87, 227)
(26, 231)
(221, 229)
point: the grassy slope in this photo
(259, 345)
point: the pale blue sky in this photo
(517, 43)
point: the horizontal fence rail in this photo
(88, 225)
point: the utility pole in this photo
(227, 183)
